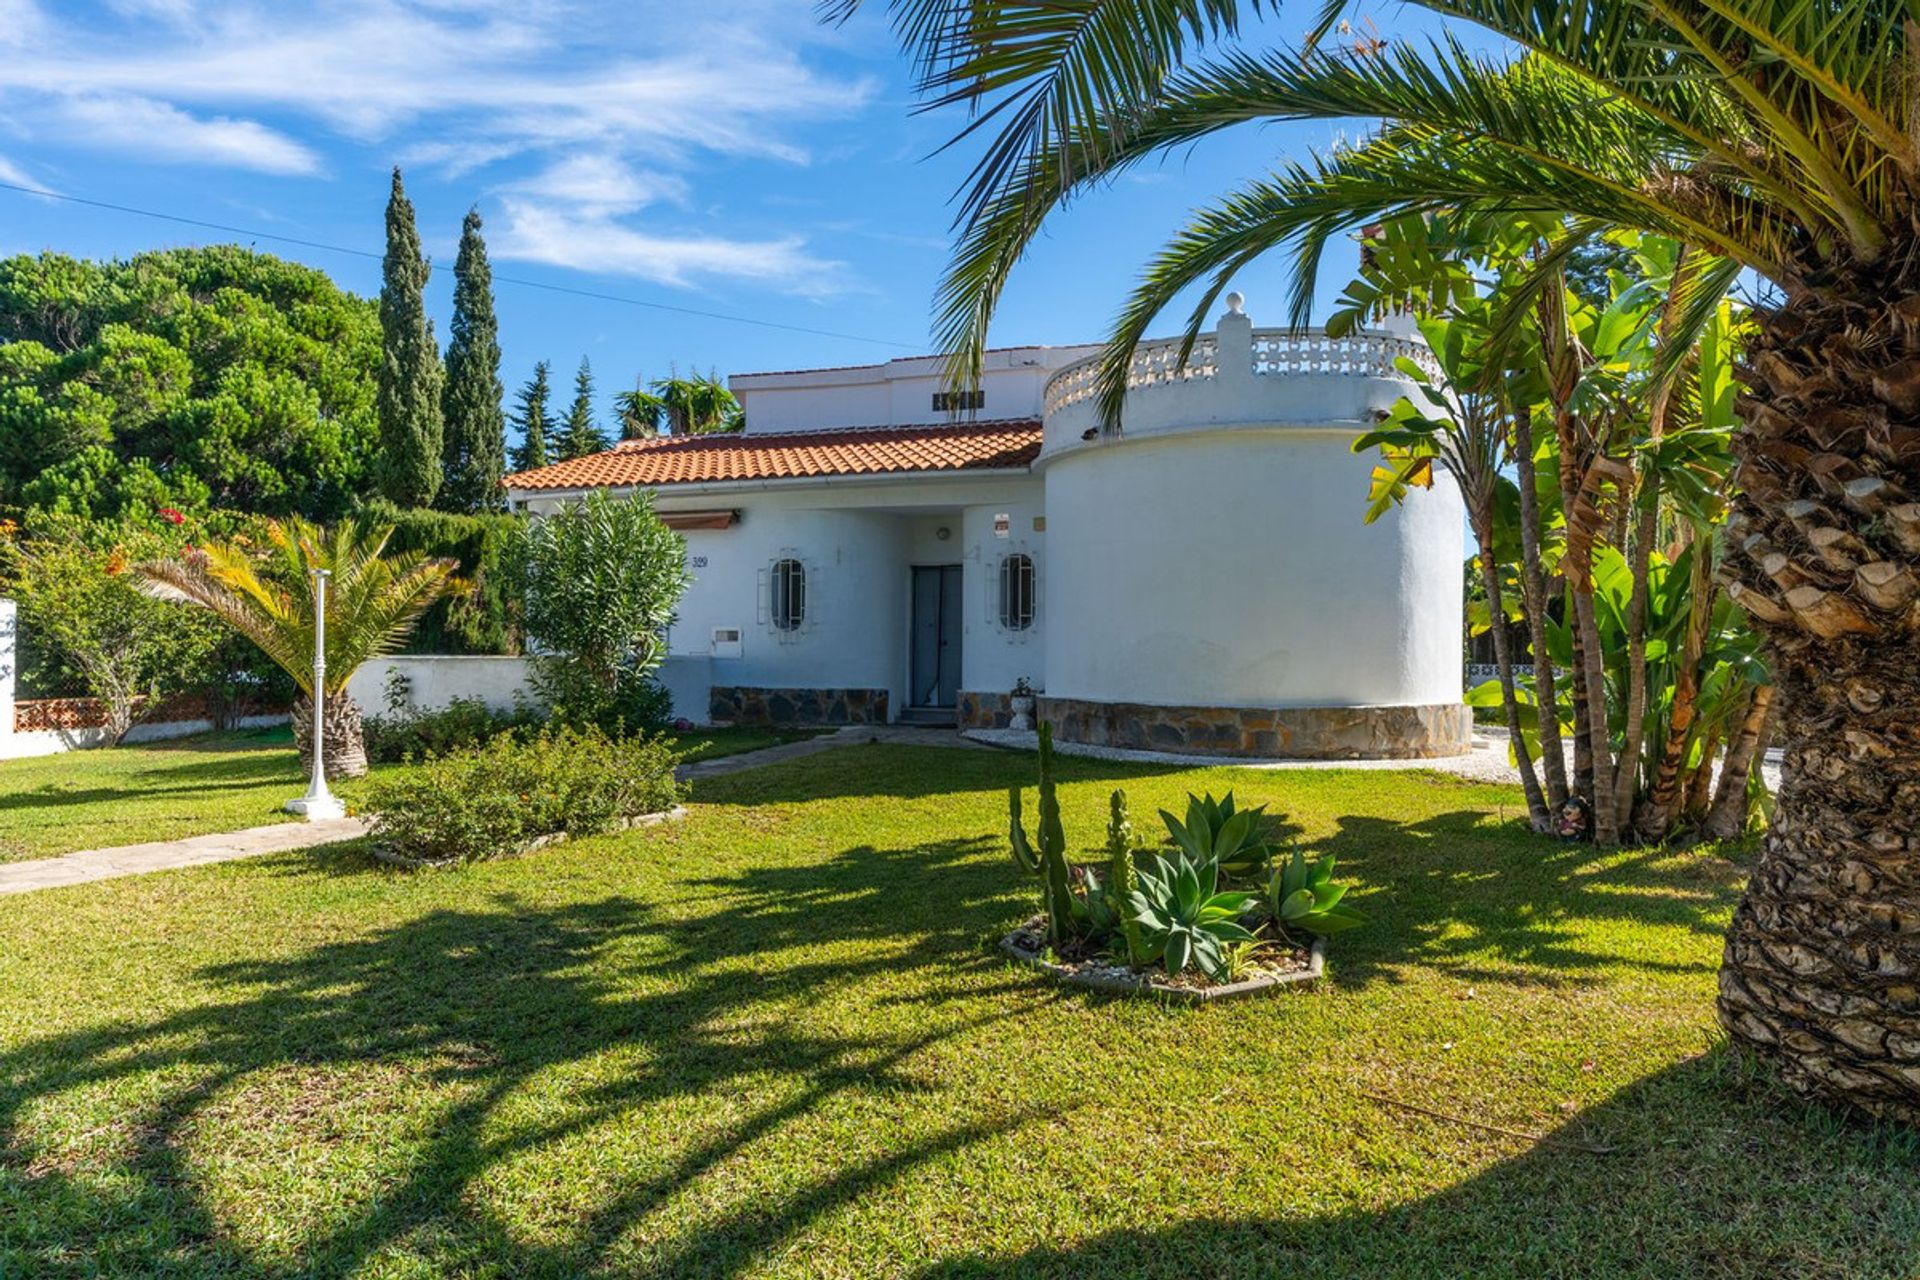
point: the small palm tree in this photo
(373, 601)
(679, 406)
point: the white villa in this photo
(876, 548)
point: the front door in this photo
(936, 636)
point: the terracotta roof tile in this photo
(1001, 444)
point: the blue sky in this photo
(728, 155)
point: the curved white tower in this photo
(1213, 587)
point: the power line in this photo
(498, 279)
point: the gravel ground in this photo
(1486, 761)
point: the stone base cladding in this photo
(985, 710)
(1300, 733)
(739, 704)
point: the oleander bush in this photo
(499, 798)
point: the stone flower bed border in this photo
(1140, 985)
(382, 854)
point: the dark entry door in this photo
(936, 636)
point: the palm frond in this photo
(1051, 73)
(373, 600)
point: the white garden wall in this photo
(502, 682)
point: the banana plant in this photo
(1184, 918)
(1304, 896)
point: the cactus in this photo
(1120, 877)
(1050, 860)
(1023, 854)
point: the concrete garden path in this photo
(164, 855)
(286, 837)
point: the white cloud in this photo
(555, 236)
(13, 173)
(142, 126)
(579, 214)
(613, 104)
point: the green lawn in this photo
(775, 1040)
(194, 786)
(161, 791)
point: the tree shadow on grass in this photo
(1695, 1171)
(475, 1007)
(900, 771)
(1498, 903)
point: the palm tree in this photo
(679, 406)
(373, 601)
(1776, 137)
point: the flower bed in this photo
(1095, 970)
(1217, 913)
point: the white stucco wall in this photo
(859, 543)
(896, 392)
(854, 598)
(1231, 568)
(52, 742)
(437, 679)
(995, 657)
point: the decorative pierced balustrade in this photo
(1274, 353)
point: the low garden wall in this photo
(48, 726)
(434, 680)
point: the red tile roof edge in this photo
(992, 444)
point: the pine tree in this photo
(582, 436)
(476, 425)
(409, 465)
(531, 417)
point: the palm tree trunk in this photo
(1822, 964)
(346, 739)
(1577, 684)
(1585, 517)
(1627, 772)
(1696, 794)
(1606, 827)
(1533, 590)
(1727, 816)
(1537, 812)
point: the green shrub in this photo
(599, 582)
(492, 800)
(405, 734)
(483, 617)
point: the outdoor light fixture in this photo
(318, 804)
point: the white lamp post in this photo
(318, 804)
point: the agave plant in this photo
(1183, 917)
(373, 601)
(1215, 830)
(1304, 896)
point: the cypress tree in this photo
(409, 465)
(582, 436)
(476, 425)
(531, 418)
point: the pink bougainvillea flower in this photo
(171, 516)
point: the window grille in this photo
(789, 587)
(1016, 591)
(956, 401)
